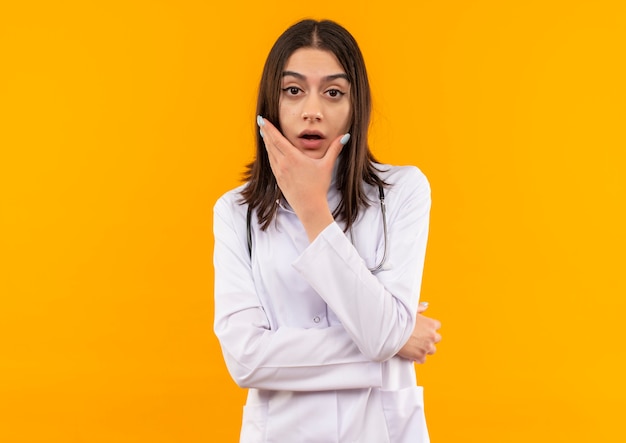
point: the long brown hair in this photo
(355, 161)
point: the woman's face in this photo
(315, 106)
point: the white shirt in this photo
(311, 331)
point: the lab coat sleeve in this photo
(378, 311)
(291, 359)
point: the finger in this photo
(431, 350)
(274, 139)
(268, 134)
(422, 307)
(335, 148)
(273, 154)
(421, 360)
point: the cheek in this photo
(345, 117)
(286, 114)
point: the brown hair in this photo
(355, 161)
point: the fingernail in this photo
(259, 121)
(261, 132)
(424, 304)
(344, 139)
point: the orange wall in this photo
(121, 122)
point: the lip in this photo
(314, 143)
(311, 132)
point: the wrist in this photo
(315, 220)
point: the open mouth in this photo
(311, 135)
(311, 139)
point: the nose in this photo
(312, 109)
(307, 116)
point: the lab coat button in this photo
(316, 319)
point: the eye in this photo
(292, 90)
(335, 93)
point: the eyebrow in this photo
(328, 78)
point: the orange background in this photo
(121, 122)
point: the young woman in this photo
(319, 257)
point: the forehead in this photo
(313, 62)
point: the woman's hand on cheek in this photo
(304, 181)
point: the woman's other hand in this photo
(423, 338)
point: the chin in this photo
(313, 154)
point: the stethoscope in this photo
(378, 267)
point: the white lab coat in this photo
(311, 331)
